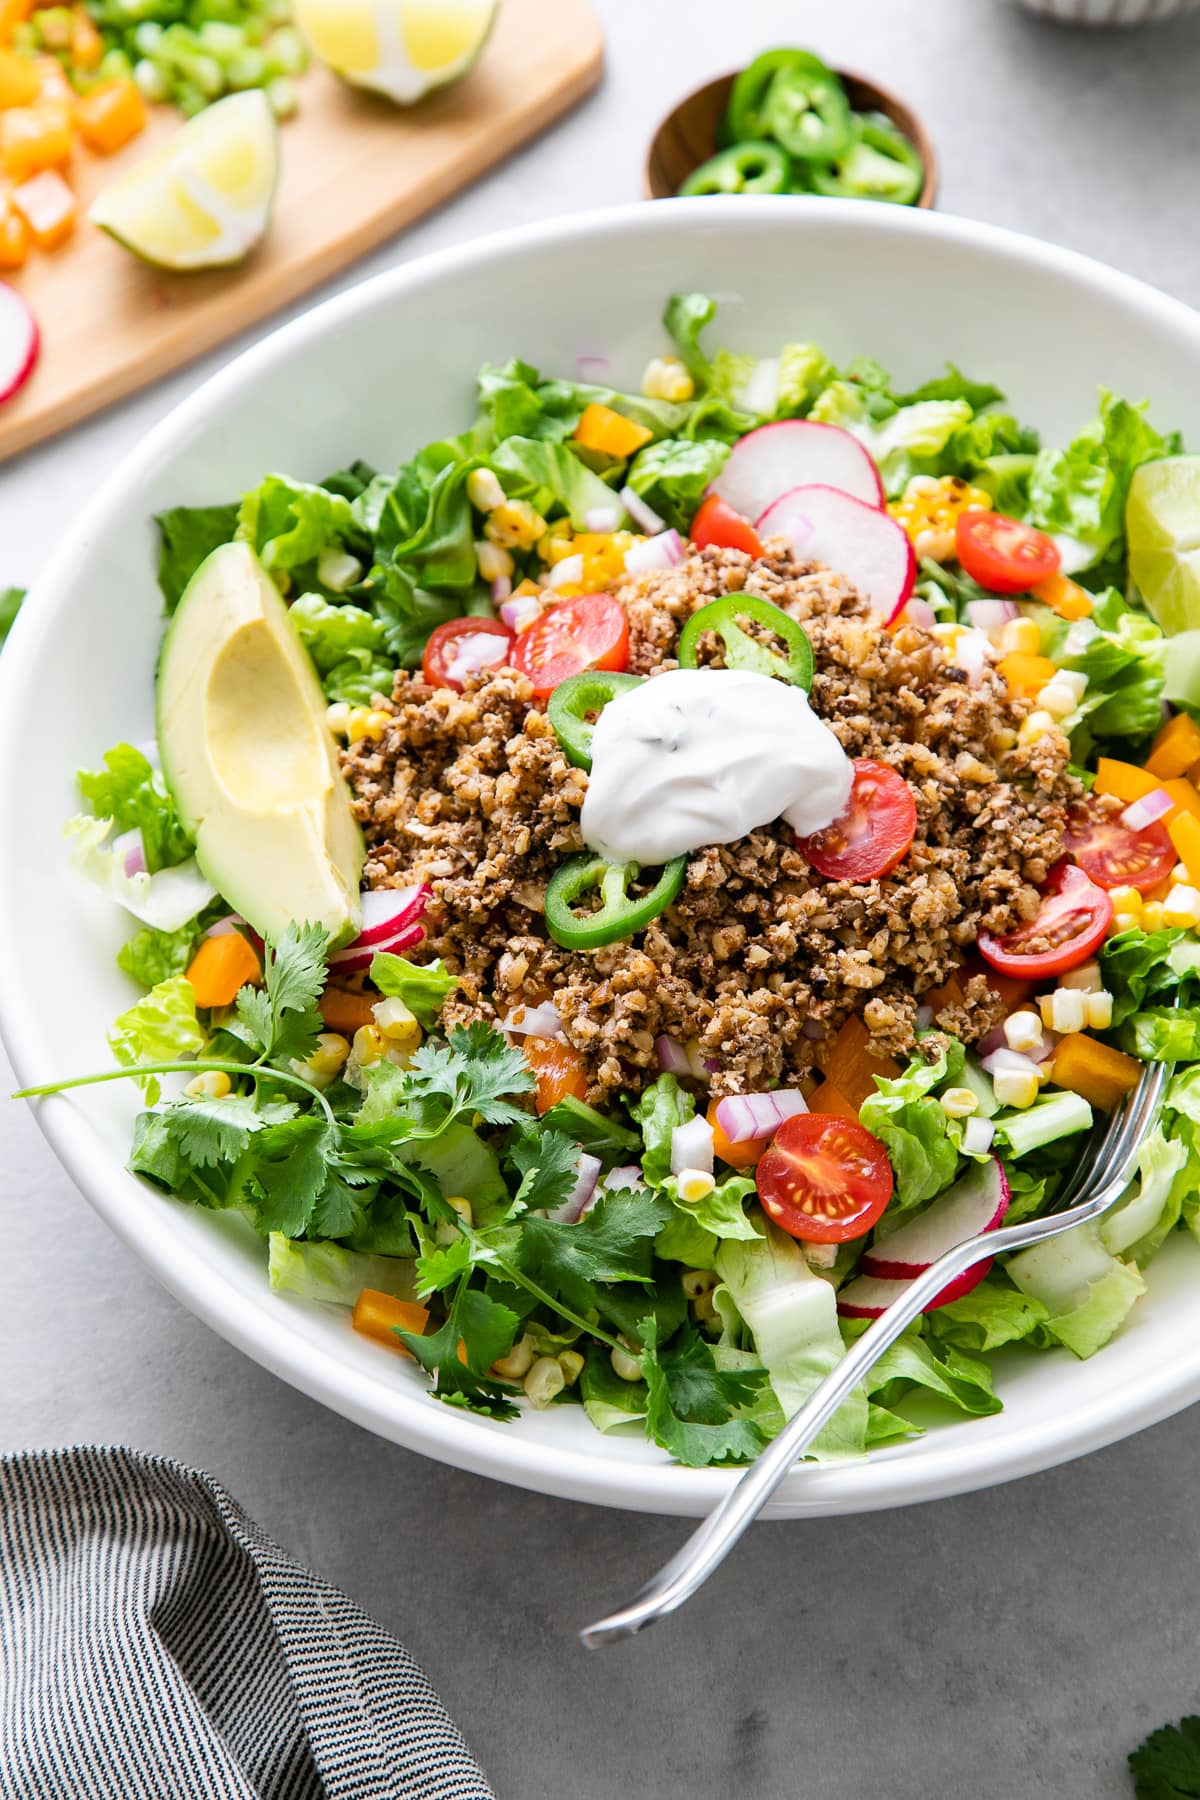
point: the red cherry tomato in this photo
(590, 632)
(462, 647)
(874, 832)
(1113, 856)
(1071, 922)
(824, 1179)
(1003, 555)
(717, 523)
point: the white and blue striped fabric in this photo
(156, 1645)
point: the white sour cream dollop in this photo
(703, 756)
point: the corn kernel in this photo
(1036, 726)
(626, 1364)
(1127, 900)
(938, 546)
(1056, 698)
(517, 1364)
(571, 1364)
(694, 1185)
(820, 1256)
(484, 490)
(959, 1103)
(369, 1047)
(1182, 907)
(1181, 873)
(1016, 1087)
(337, 717)
(1023, 1031)
(515, 526)
(1021, 637)
(696, 1282)
(668, 378)
(932, 504)
(1099, 1008)
(328, 1059)
(397, 1023)
(545, 1381)
(338, 570)
(1087, 977)
(356, 723)
(493, 562)
(1045, 1071)
(1125, 922)
(1067, 1010)
(1075, 681)
(214, 1084)
(1154, 917)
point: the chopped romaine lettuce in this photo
(162, 1027)
(1081, 490)
(1087, 1292)
(423, 987)
(921, 1141)
(166, 901)
(333, 1274)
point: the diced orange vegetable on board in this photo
(15, 235)
(33, 138)
(111, 114)
(49, 206)
(738, 1156)
(559, 1069)
(1176, 748)
(377, 1315)
(1026, 674)
(1102, 1075)
(346, 1010)
(221, 968)
(1183, 794)
(847, 1062)
(18, 80)
(1122, 780)
(1064, 596)
(1184, 828)
(831, 1101)
(609, 432)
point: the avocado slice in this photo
(249, 757)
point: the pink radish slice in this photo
(20, 341)
(973, 1205)
(770, 462)
(869, 1295)
(385, 911)
(856, 540)
(360, 956)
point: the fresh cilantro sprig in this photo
(478, 1331)
(282, 1019)
(696, 1411)
(1167, 1765)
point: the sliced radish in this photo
(391, 921)
(973, 1205)
(866, 1297)
(770, 462)
(857, 540)
(20, 341)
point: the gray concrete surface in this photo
(1010, 1644)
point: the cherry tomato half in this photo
(1071, 922)
(590, 632)
(1113, 856)
(824, 1179)
(717, 523)
(462, 647)
(1002, 555)
(874, 832)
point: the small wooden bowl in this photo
(687, 136)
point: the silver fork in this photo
(1096, 1185)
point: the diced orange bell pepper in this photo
(1183, 794)
(33, 138)
(847, 1062)
(111, 114)
(52, 83)
(738, 1156)
(12, 14)
(221, 968)
(1176, 748)
(1184, 828)
(1064, 596)
(49, 206)
(609, 432)
(87, 46)
(559, 1068)
(1123, 781)
(833, 1102)
(18, 80)
(1026, 674)
(1102, 1075)
(347, 1010)
(377, 1315)
(15, 235)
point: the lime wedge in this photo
(401, 48)
(204, 199)
(1162, 522)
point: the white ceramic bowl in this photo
(375, 373)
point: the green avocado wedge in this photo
(249, 758)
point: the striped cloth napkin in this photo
(156, 1645)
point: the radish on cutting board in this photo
(826, 525)
(20, 341)
(973, 1206)
(770, 462)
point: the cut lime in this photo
(204, 199)
(1162, 522)
(401, 48)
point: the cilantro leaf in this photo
(471, 1072)
(290, 1171)
(129, 791)
(283, 1018)
(487, 1331)
(695, 1410)
(441, 1267)
(611, 1243)
(210, 1132)
(1167, 1765)
(548, 1163)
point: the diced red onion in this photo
(591, 366)
(813, 1030)
(923, 1018)
(391, 921)
(971, 655)
(629, 1175)
(501, 589)
(1012, 1060)
(1146, 811)
(987, 615)
(586, 1176)
(977, 1136)
(518, 614)
(713, 1065)
(602, 519)
(130, 848)
(919, 612)
(692, 1146)
(225, 927)
(672, 1057)
(665, 551)
(746, 1117)
(570, 569)
(534, 1021)
(643, 516)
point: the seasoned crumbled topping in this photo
(758, 958)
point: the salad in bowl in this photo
(615, 898)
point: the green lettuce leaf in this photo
(328, 1272)
(1122, 653)
(661, 1107)
(1081, 490)
(1087, 1292)
(11, 600)
(957, 1376)
(686, 317)
(1166, 1174)
(162, 1027)
(991, 1315)
(721, 1213)
(516, 402)
(1139, 966)
(608, 1401)
(423, 987)
(672, 475)
(188, 535)
(552, 478)
(290, 523)
(921, 1141)
(347, 645)
(130, 792)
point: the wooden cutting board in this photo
(355, 169)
